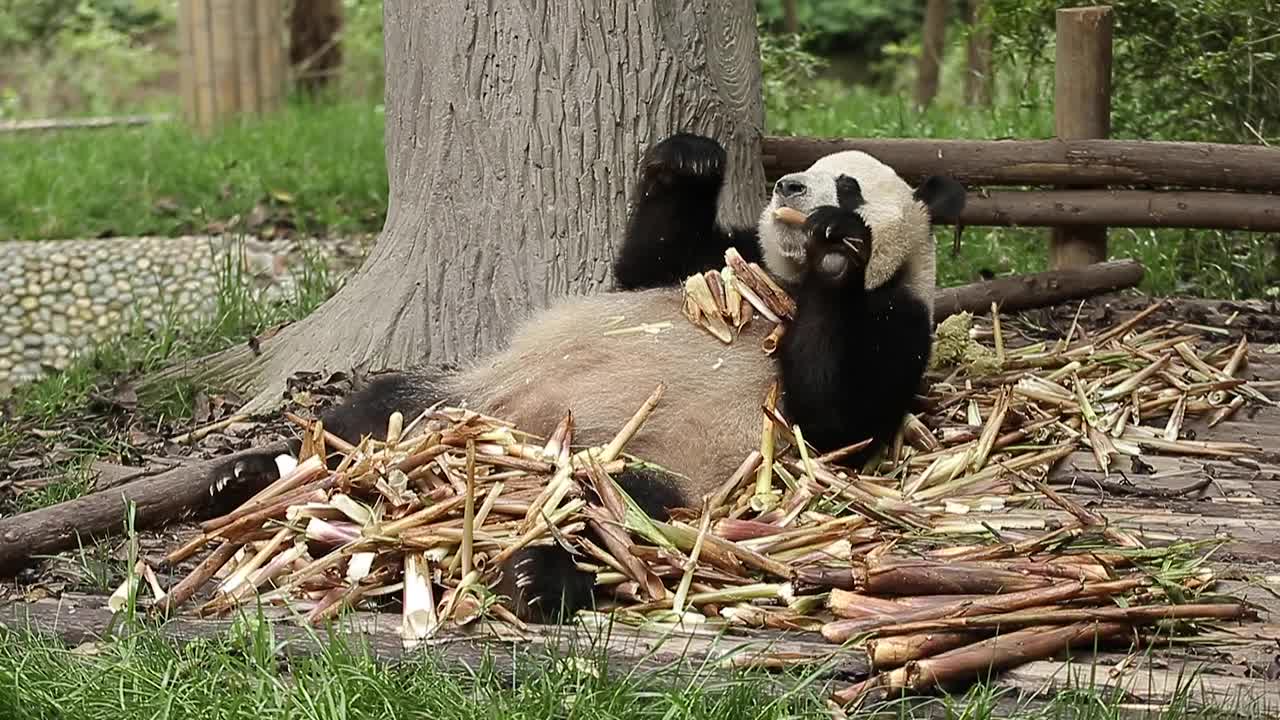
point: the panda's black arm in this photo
(852, 359)
(672, 232)
(852, 363)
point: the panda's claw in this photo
(542, 584)
(684, 156)
(840, 244)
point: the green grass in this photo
(321, 167)
(239, 675)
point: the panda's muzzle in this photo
(789, 186)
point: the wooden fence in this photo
(1080, 183)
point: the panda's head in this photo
(899, 216)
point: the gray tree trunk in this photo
(513, 138)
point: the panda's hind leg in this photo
(672, 232)
(542, 584)
(366, 410)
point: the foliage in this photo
(1183, 70)
(362, 66)
(29, 24)
(788, 76)
(843, 25)
(82, 56)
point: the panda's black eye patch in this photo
(848, 193)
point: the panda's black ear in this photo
(943, 196)
(848, 193)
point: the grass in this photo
(240, 674)
(320, 167)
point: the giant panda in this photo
(861, 270)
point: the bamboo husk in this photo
(897, 650)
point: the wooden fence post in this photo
(1082, 110)
(232, 58)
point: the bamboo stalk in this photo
(998, 653)
(841, 631)
(1142, 614)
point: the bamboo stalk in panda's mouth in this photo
(790, 216)
(795, 218)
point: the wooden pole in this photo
(232, 57)
(1088, 209)
(1082, 109)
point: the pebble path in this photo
(59, 297)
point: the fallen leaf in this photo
(201, 411)
(167, 205)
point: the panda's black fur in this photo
(849, 364)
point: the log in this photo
(195, 490)
(95, 123)
(1036, 290)
(1190, 684)
(1124, 208)
(75, 620)
(1132, 163)
(1081, 109)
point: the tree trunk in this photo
(513, 136)
(315, 48)
(979, 84)
(790, 17)
(933, 41)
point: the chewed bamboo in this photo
(918, 553)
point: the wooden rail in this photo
(1054, 162)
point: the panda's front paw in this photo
(684, 156)
(839, 246)
(542, 585)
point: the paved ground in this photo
(58, 298)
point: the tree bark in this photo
(315, 48)
(513, 137)
(933, 40)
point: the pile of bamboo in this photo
(880, 555)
